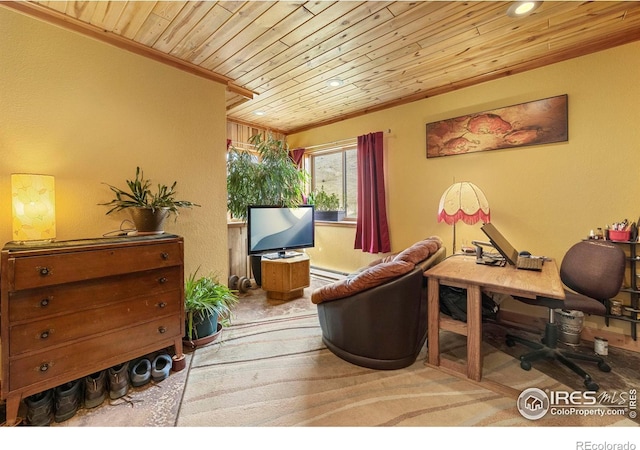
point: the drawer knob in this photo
(44, 367)
(44, 334)
(162, 330)
(44, 302)
(162, 305)
(162, 280)
(164, 255)
(44, 271)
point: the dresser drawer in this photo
(47, 270)
(41, 334)
(53, 300)
(88, 356)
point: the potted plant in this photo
(148, 209)
(270, 178)
(208, 305)
(327, 206)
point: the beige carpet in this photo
(272, 370)
(278, 373)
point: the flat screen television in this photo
(273, 231)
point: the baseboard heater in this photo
(327, 274)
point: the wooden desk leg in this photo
(474, 333)
(433, 320)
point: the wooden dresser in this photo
(72, 308)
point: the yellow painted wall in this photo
(582, 184)
(87, 112)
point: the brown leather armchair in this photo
(377, 317)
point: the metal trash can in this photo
(570, 325)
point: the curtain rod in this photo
(337, 143)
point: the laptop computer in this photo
(510, 254)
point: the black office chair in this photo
(594, 271)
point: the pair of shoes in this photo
(95, 389)
(40, 408)
(140, 373)
(161, 367)
(118, 380)
(68, 398)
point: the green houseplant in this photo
(268, 178)
(148, 209)
(208, 305)
(327, 206)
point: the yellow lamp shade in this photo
(33, 201)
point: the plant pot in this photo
(329, 216)
(199, 342)
(203, 326)
(148, 220)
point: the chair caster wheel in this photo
(233, 282)
(591, 385)
(604, 367)
(244, 284)
(526, 365)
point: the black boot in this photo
(40, 408)
(68, 398)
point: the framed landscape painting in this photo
(532, 123)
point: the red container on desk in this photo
(620, 236)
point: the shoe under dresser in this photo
(72, 308)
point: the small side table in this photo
(285, 278)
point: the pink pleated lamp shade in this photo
(463, 201)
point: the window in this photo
(335, 171)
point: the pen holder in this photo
(619, 236)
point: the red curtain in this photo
(296, 156)
(372, 231)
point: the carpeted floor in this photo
(271, 369)
(278, 373)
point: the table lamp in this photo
(463, 201)
(33, 201)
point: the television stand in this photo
(285, 278)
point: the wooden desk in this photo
(463, 272)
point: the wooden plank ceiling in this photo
(277, 56)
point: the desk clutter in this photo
(618, 232)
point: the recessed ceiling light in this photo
(259, 113)
(521, 9)
(336, 82)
